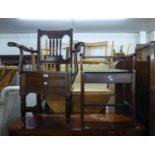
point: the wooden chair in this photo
(42, 80)
(91, 48)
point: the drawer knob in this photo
(45, 75)
(45, 83)
(110, 78)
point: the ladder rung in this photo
(103, 105)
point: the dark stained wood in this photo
(108, 76)
(115, 76)
(53, 125)
(55, 44)
(125, 77)
(127, 63)
(145, 103)
(152, 92)
(13, 60)
(56, 82)
(46, 83)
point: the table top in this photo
(109, 71)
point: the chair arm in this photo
(22, 47)
(77, 49)
(77, 46)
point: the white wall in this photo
(30, 40)
(119, 38)
(27, 39)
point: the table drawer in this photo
(107, 77)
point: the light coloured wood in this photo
(46, 49)
(112, 48)
(92, 89)
(128, 49)
(121, 48)
(95, 61)
(45, 52)
(8, 67)
(46, 55)
(67, 54)
(93, 95)
(7, 73)
(33, 62)
(96, 44)
(34, 67)
(107, 118)
(90, 47)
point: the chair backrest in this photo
(91, 48)
(46, 78)
(94, 53)
(54, 48)
(51, 46)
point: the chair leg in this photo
(68, 110)
(38, 107)
(82, 117)
(23, 109)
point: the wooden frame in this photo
(43, 82)
(110, 77)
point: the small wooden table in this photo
(54, 125)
